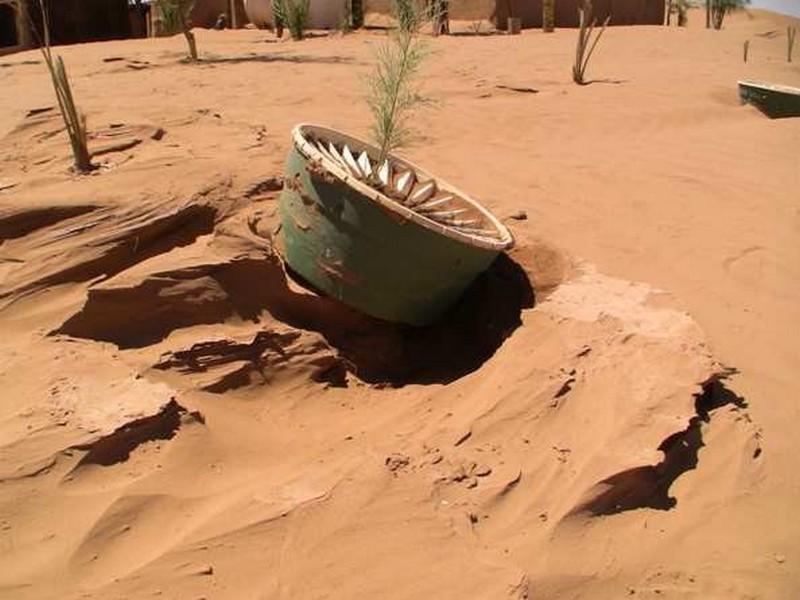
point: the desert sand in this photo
(610, 412)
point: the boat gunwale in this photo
(770, 87)
(504, 241)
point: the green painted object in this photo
(377, 253)
(775, 101)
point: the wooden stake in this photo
(548, 15)
(746, 48)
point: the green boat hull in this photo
(353, 249)
(775, 101)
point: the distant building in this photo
(76, 21)
(622, 12)
(206, 12)
(71, 22)
(14, 31)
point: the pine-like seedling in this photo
(392, 94)
(407, 14)
(74, 119)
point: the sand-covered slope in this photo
(608, 412)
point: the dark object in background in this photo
(622, 12)
(76, 21)
(775, 101)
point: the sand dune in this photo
(608, 412)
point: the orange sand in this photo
(180, 420)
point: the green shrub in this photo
(176, 19)
(294, 15)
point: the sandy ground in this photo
(181, 420)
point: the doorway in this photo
(8, 26)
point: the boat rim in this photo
(772, 87)
(503, 242)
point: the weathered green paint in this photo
(368, 257)
(775, 101)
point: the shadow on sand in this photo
(274, 57)
(605, 80)
(648, 486)
(466, 337)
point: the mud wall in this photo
(622, 12)
(138, 20)
(9, 34)
(460, 10)
(74, 21)
(206, 12)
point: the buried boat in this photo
(387, 239)
(775, 101)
